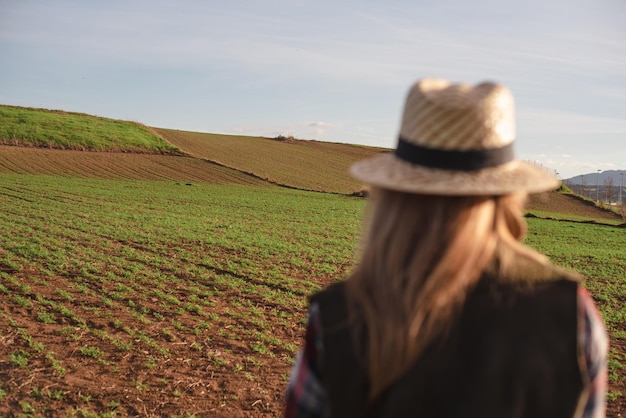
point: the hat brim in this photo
(389, 172)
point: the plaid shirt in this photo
(306, 396)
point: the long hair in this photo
(420, 255)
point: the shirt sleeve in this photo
(594, 342)
(306, 396)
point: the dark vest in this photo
(512, 352)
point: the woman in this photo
(447, 314)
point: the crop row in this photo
(127, 276)
(308, 165)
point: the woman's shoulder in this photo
(525, 266)
(334, 292)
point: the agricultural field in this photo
(118, 166)
(131, 297)
(299, 164)
(570, 207)
(124, 298)
(305, 165)
(172, 280)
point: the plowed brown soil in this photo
(306, 165)
(109, 165)
(569, 206)
(210, 381)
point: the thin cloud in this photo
(550, 121)
(323, 124)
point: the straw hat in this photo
(455, 139)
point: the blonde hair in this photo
(420, 256)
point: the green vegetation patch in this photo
(76, 131)
(596, 251)
(186, 296)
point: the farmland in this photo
(118, 166)
(145, 284)
(129, 297)
(306, 165)
(158, 298)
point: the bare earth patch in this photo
(568, 205)
(118, 166)
(214, 374)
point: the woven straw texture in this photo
(445, 116)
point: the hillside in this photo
(569, 205)
(197, 157)
(68, 130)
(308, 165)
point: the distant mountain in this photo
(604, 185)
(594, 178)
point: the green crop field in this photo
(190, 298)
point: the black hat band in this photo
(466, 160)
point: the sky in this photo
(334, 71)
